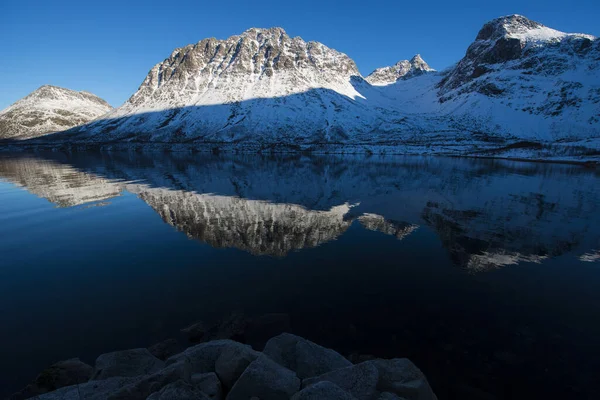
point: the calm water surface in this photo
(485, 273)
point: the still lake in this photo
(485, 273)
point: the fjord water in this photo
(485, 273)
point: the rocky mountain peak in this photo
(257, 63)
(403, 69)
(507, 25)
(516, 43)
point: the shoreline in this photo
(528, 152)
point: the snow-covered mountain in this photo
(519, 81)
(401, 70)
(524, 79)
(49, 109)
(262, 85)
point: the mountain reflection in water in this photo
(488, 214)
(483, 272)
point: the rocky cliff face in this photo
(49, 109)
(401, 70)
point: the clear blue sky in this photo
(107, 47)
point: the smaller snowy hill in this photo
(401, 70)
(49, 109)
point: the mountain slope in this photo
(49, 109)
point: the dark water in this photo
(485, 273)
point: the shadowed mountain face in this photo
(486, 214)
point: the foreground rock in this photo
(304, 357)
(133, 362)
(290, 367)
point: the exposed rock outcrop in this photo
(227, 369)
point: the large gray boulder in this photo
(302, 356)
(148, 384)
(358, 380)
(323, 390)
(209, 384)
(179, 390)
(232, 362)
(92, 390)
(134, 362)
(265, 379)
(62, 374)
(203, 357)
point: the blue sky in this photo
(108, 47)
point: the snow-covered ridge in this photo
(401, 70)
(49, 109)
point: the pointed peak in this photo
(416, 58)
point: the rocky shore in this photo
(289, 367)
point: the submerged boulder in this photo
(165, 349)
(62, 374)
(92, 390)
(134, 362)
(305, 358)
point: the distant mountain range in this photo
(519, 84)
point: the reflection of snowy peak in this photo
(487, 214)
(49, 109)
(376, 222)
(59, 183)
(255, 226)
